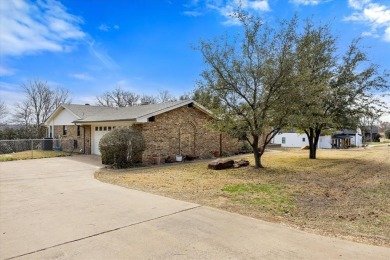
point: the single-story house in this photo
(340, 139)
(370, 133)
(166, 128)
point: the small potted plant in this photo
(179, 158)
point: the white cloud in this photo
(259, 5)
(192, 13)
(308, 2)
(81, 76)
(370, 33)
(6, 71)
(226, 8)
(374, 15)
(358, 4)
(256, 5)
(44, 25)
(97, 50)
(106, 28)
(387, 34)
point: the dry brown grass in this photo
(36, 154)
(344, 193)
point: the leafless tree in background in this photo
(165, 96)
(118, 98)
(122, 98)
(148, 99)
(3, 111)
(40, 101)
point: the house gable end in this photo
(189, 103)
(61, 116)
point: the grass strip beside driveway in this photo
(36, 154)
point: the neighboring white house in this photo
(343, 138)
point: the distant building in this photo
(341, 139)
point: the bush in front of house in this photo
(122, 147)
(376, 137)
(387, 134)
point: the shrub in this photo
(122, 147)
(387, 134)
(376, 137)
(246, 148)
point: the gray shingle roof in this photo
(87, 113)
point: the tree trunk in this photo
(256, 152)
(312, 145)
(313, 136)
(371, 134)
(313, 152)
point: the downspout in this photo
(83, 137)
(90, 139)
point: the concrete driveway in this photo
(55, 209)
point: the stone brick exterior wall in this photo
(67, 141)
(186, 129)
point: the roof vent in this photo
(87, 104)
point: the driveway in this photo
(55, 209)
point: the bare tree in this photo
(165, 96)
(23, 113)
(3, 111)
(40, 101)
(118, 98)
(384, 125)
(148, 99)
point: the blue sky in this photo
(90, 47)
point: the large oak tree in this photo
(332, 91)
(251, 75)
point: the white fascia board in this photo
(144, 118)
(59, 110)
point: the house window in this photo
(105, 128)
(78, 130)
(283, 140)
(109, 128)
(51, 131)
(100, 128)
(303, 139)
(64, 130)
(96, 128)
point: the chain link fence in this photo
(38, 145)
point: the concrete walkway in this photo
(55, 209)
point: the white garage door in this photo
(98, 133)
